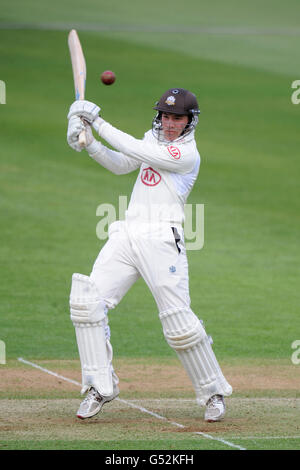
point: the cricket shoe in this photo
(94, 402)
(215, 409)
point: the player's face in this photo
(173, 125)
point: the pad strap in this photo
(86, 305)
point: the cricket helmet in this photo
(176, 101)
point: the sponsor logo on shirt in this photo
(150, 177)
(174, 152)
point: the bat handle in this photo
(82, 139)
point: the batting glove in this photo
(75, 127)
(85, 109)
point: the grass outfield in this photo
(244, 282)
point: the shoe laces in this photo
(214, 400)
(92, 394)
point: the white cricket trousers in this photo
(157, 253)
(147, 250)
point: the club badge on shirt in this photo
(174, 152)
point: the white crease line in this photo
(48, 371)
(140, 408)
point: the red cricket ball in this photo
(108, 77)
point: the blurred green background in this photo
(240, 59)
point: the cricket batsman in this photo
(148, 243)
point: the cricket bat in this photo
(79, 72)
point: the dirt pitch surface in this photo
(155, 410)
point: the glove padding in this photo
(75, 127)
(85, 109)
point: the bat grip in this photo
(82, 139)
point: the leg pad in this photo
(185, 333)
(89, 317)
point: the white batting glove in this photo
(75, 127)
(85, 109)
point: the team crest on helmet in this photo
(170, 100)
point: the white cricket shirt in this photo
(167, 171)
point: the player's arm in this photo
(116, 162)
(176, 158)
(179, 159)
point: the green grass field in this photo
(244, 282)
